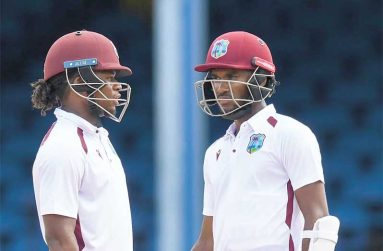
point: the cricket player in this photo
(264, 183)
(79, 182)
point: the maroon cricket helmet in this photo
(238, 50)
(82, 45)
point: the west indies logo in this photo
(255, 143)
(219, 48)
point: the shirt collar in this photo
(262, 115)
(80, 122)
(231, 130)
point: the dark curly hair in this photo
(47, 94)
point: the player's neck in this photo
(94, 120)
(255, 108)
(75, 104)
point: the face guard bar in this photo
(211, 103)
(92, 84)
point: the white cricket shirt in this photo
(250, 181)
(78, 174)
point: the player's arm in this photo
(205, 240)
(59, 233)
(313, 204)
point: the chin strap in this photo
(324, 235)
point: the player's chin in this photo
(112, 109)
(228, 106)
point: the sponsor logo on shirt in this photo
(217, 154)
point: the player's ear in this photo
(262, 80)
(83, 89)
(76, 79)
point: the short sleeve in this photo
(208, 195)
(57, 179)
(301, 157)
